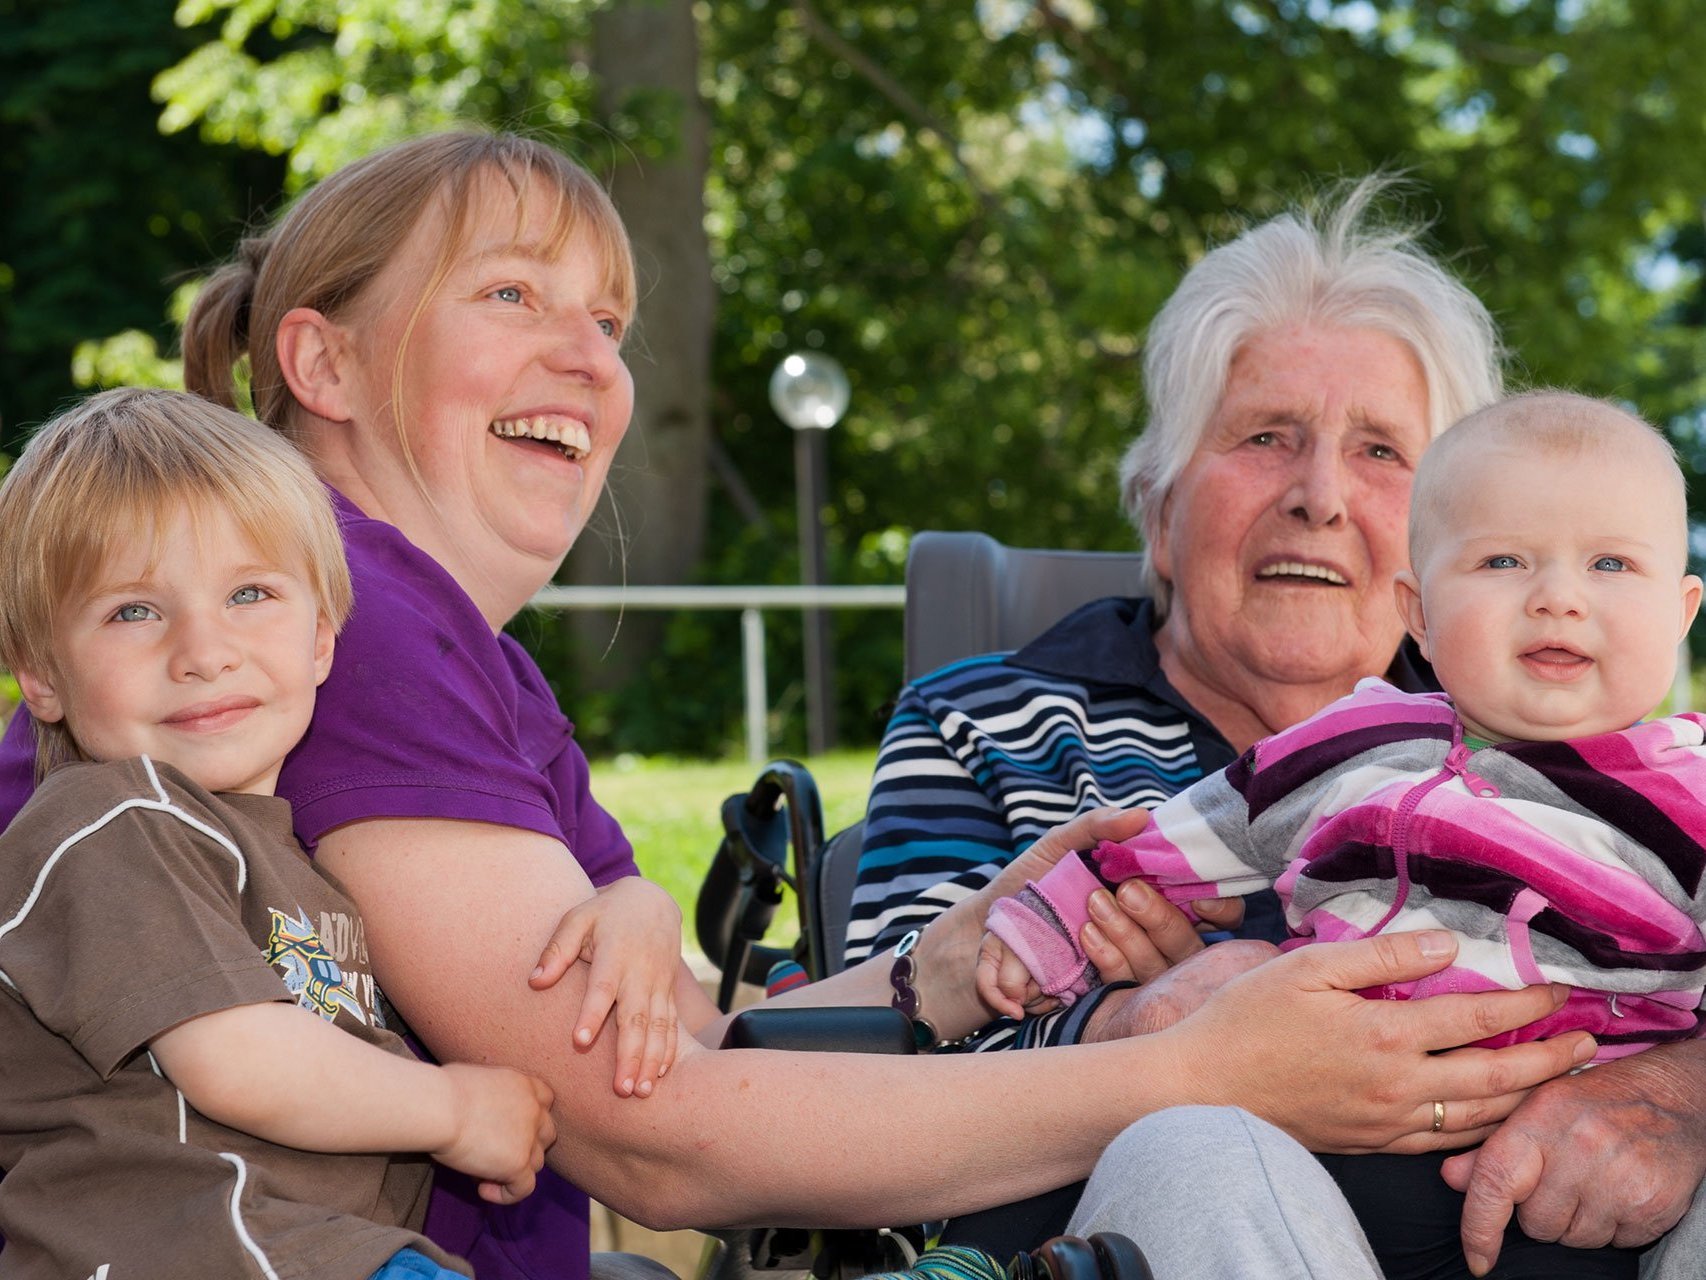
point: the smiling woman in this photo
(1293, 381)
(1281, 536)
(501, 396)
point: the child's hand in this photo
(1004, 983)
(630, 932)
(501, 1127)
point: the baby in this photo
(1528, 807)
(192, 1087)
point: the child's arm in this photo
(266, 1068)
(630, 933)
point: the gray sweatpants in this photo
(1213, 1193)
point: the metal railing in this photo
(751, 602)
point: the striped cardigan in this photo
(1577, 862)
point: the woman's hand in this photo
(1177, 993)
(1293, 1042)
(630, 932)
(500, 1126)
(948, 950)
(1137, 935)
(1609, 1156)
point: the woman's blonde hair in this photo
(325, 249)
(1330, 262)
(112, 473)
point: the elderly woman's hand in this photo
(1177, 993)
(949, 948)
(1609, 1156)
(1136, 934)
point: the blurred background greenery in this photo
(975, 207)
(669, 807)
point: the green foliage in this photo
(989, 295)
(977, 208)
(100, 216)
(669, 808)
(352, 75)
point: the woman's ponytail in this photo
(216, 331)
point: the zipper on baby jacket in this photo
(1456, 765)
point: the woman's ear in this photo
(313, 356)
(1407, 588)
(1157, 543)
(40, 697)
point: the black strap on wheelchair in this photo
(744, 884)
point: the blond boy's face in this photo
(200, 651)
(1554, 589)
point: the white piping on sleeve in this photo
(162, 805)
(248, 1241)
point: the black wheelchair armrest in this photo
(864, 1029)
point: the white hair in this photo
(1330, 263)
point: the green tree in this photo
(100, 216)
(978, 209)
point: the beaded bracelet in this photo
(902, 977)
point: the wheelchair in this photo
(966, 594)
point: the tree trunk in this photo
(651, 523)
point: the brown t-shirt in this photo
(130, 901)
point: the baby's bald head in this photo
(1553, 424)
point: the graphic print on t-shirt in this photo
(310, 973)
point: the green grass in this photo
(670, 809)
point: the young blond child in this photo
(1529, 807)
(192, 1082)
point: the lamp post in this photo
(809, 392)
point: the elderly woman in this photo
(1293, 380)
(439, 326)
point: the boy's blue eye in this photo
(509, 293)
(1502, 562)
(248, 595)
(134, 613)
(1611, 564)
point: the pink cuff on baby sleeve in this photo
(1043, 925)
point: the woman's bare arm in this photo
(457, 912)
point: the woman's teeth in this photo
(570, 436)
(1297, 569)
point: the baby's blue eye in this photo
(1502, 562)
(134, 613)
(248, 595)
(1611, 564)
(509, 293)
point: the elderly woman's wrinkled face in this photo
(1283, 533)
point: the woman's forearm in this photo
(456, 914)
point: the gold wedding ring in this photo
(1439, 1116)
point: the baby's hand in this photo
(630, 933)
(501, 1125)
(1004, 983)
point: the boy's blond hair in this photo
(115, 470)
